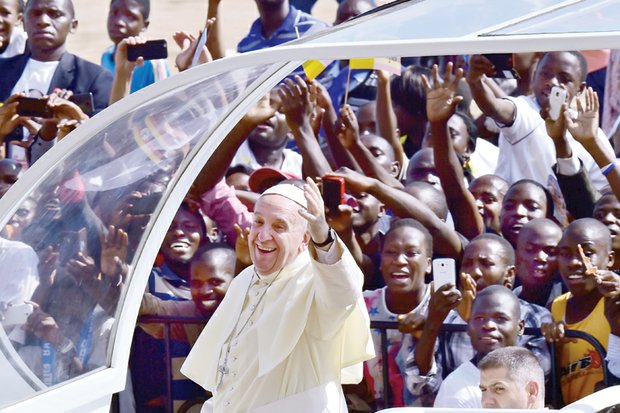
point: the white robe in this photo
(308, 334)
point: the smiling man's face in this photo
(278, 233)
(183, 237)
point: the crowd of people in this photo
(444, 160)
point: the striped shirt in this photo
(296, 21)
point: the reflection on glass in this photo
(582, 17)
(456, 19)
(70, 245)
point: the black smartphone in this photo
(332, 189)
(35, 107)
(85, 102)
(146, 204)
(153, 49)
(503, 65)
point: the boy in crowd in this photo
(187, 233)
(405, 262)
(212, 271)
(536, 262)
(12, 36)
(46, 65)
(47, 70)
(511, 378)
(128, 19)
(279, 22)
(495, 322)
(524, 201)
(584, 255)
(488, 260)
(607, 211)
(523, 131)
(489, 192)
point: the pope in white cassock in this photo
(293, 327)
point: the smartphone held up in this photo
(151, 50)
(556, 99)
(332, 190)
(34, 107)
(444, 272)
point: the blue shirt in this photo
(304, 22)
(149, 73)
(167, 285)
(285, 33)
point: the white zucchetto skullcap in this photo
(289, 191)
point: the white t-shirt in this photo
(37, 76)
(18, 284)
(483, 160)
(291, 164)
(461, 388)
(34, 82)
(17, 44)
(527, 151)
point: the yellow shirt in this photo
(581, 366)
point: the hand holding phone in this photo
(556, 100)
(35, 107)
(444, 272)
(85, 102)
(503, 65)
(151, 50)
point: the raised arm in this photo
(350, 139)
(123, 68)
(296, 105)
(386, 119)
(214, 41)
(331, 125)
(500, 110)
(446, 242)
(585, 130)
(442, 301)
(215, 169)
(441, 103)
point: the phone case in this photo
(556, 99)
(333, 191)
(444, 272)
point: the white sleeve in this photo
(613, 355)
(526, 121)
(569, 166)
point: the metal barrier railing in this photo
(382, 326)
(167, 321)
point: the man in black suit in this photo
(48, 23)
(47, 67)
